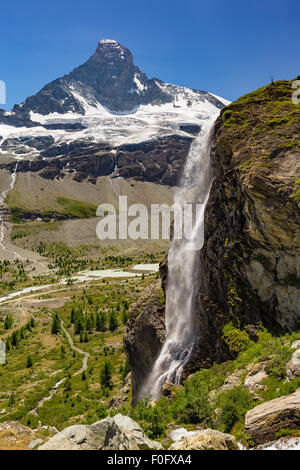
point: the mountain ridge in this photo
(109, 77)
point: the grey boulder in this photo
(118, 433)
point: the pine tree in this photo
(113, 323)
(79, 325)
(15, 338)
(90, 322)
(125, 316)
(68, 385)
(100, 321)
(125, 370)
(12, 399)
(55, 327)
(72, 315)
(106, 375)
(29, 362)
(83, 376)
(8, 322)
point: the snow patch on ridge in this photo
(223, 100)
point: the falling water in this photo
(181, 320)
(13, 177)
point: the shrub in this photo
(234, 404)
(101, 411)
(237, 340)
(153, 420)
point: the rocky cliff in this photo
(250, 260)
(249, 265)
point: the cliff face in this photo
(144, 336)
(158, 160)
(250, 261)
(249, 268)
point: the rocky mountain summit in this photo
(105, 118)
(109, 77)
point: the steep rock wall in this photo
(250, 263)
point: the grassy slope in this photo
(265, 118)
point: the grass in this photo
(265, 113)
(77, 209)
(35, 227)
(66, 209)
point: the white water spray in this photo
(3, 195)
(181, 320)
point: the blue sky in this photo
(228, 47)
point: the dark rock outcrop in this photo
(159, 160)
(251, 256)
(193, 129)
(143, 339)
(38, 143)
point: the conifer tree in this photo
(100, 321)
(113, 323)
(8, 322)
(29, 362)
(106, 375)
(55, 327)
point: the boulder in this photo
(118, 433)
(232, 380)
(256, 374)
(35, 444)
(208, 439)
(263, 421)
(293, 366)
(135, 433)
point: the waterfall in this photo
(181, 319)
(13, 178)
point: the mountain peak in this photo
(108, 78)
(109, 48)
(109, 42)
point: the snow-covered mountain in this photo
(106, 106)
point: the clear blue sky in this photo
(228, 47)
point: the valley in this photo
(101, 308)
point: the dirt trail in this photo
(79, 351)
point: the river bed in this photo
(84, 276)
